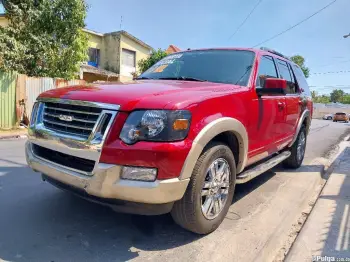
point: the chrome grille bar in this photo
(74, 119)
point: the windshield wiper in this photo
(143, 78)
(185, 78)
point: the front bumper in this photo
(106, 182)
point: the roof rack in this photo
(274, 52)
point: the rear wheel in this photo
(210, 191)
(329, 118)
(298, 151)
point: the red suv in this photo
(179, 138)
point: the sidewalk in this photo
(326, 232)
(13, 133)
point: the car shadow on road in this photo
(42, 223)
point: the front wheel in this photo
(298, 151)
(210, 191)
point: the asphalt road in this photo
(41, 223)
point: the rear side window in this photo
(267, 69)
(287, 75)
(301, 80)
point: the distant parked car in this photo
(328, 117)
(341, 117)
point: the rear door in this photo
(292, 98)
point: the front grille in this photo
(80, 164)
(82, 118)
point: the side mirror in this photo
(272, 86)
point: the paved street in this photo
(41, 223)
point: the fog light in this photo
(139, 173)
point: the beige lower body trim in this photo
(106, 182)
(211, 130)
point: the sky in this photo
(209, 23)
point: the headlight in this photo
(156, 125)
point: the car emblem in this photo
(66, 118)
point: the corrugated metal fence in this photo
(34, 87)
(7, 100)
(15, 88)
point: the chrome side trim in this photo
(259, 169)
(80, 103)
(89, 147)
(305, 114)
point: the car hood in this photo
(145, 94)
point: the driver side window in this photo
(267, 69)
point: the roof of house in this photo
(97, 71)
(172, 49)
(121, 32)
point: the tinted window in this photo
(267, 69)
(340, 114)
(301, 80)
(286, 74)
(219, 66)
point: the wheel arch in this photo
(305, 119)
(214, 129)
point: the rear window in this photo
(299, 75)
(340, 114)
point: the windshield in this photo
(219, 66)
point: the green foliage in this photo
(155, 56)
(337, 95)
(300, 61)
(44, 37)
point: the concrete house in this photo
(112, 56)
(118, 52)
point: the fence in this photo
(16, 88)
(7, 100)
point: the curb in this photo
(13, 137)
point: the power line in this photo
(245, 20)
(332, 72)
(297, 24)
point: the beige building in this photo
(118, 52)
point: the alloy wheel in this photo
(215, 188)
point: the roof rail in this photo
(274, 52)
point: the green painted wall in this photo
(7, 100)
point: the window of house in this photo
(94, 57)
(267, 69)
(286, 74)
(128, 58)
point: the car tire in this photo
(329, 118)
(298, 151)
(194, 211)
(334, 120)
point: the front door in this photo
(267, 124)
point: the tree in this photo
(337, 95)
(299, 60)
(155, 56)
(313, 95)
(44, 37)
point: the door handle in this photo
(281, 105)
